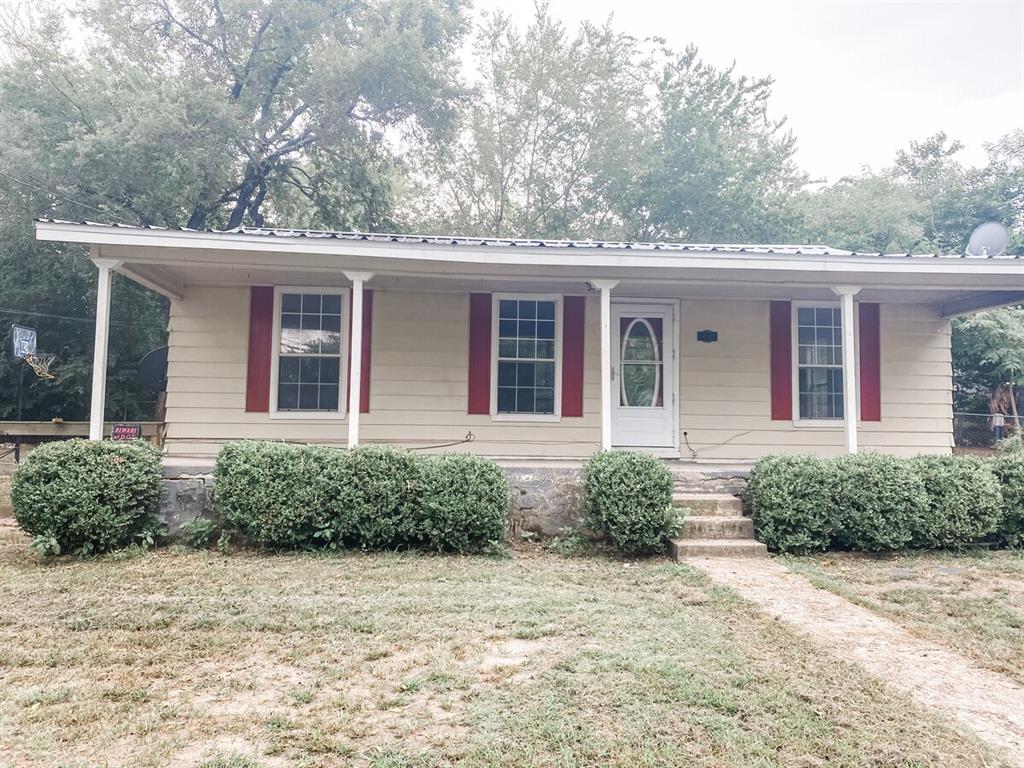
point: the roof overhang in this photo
(168, 260)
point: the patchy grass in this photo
(187, 659)
(972, 602)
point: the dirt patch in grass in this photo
(973, 602)
(195, 659)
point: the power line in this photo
(65, 198)
(73, 318)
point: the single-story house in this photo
(539, 349)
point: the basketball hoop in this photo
(40, 363)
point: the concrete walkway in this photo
(990, 705)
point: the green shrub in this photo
(629, 499)
(791, 501)
(463, 503)
(82, 496)
(964, 502)
(1009, 472)
(373, 501)
(278, 495)
(879, 501)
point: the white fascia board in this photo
(581, 258)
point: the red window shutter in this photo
(367, 344)
(573, 316)
(870, 362)
(780, 331)
(261, 330)
(479, 353)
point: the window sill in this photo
(819, 423)
(308, 415)
(536, 417)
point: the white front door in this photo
(643, 375)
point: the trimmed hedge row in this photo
(372, 497)
(84, 497)
(874, 502)
(629, 499)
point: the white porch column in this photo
(99, 347)
(355, 373)
(851, 399)
(605, 286)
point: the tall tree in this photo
(203, 113)
(551, 113)
(717, 168)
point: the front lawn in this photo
(184, 659)
(972, 602)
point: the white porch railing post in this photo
(355, 374)
(605, 286)
(851, 400)
(99, 347)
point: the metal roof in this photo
(500, 242)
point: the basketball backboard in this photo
(23, 341)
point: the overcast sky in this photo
(857, 80)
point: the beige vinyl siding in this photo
(725, 398)
(418, 386)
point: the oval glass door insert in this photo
(640, 365)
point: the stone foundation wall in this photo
(542, 499)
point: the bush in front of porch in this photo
(372, 497)
(84, 497)
(875, 502)
(629, 499)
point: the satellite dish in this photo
(988, 239)
(153, 370)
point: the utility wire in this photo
(65, 198)
(77, 319)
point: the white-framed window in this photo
(308, 365)
(818, 394)
(526, 357)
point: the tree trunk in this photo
(1013, 410)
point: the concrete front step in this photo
(717, 527)
(681, 548)
(708, 504)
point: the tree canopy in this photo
(367, 115)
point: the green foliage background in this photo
(300, 113)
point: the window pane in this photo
(545, 400)
(329, 397)
(288, 370)
(309, 397)
(329, 370)
(506, 399)
(309, 370)
(332, 304)
(309, 363)
(506, 374)
(544, 374)
(287, 397)
(526, 336)
(524, 400)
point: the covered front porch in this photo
(698, 353)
